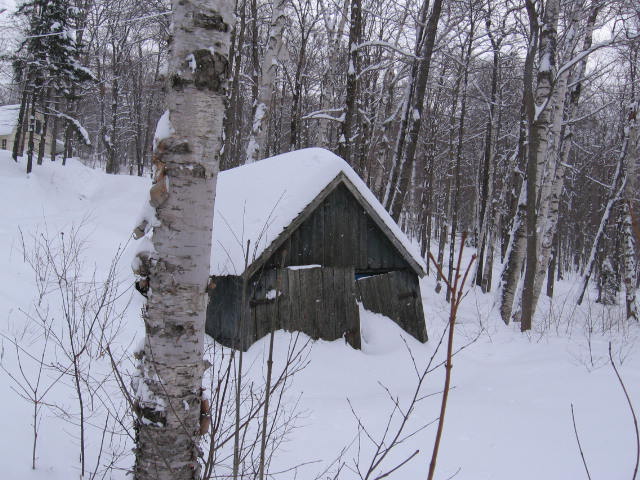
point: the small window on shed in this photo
(38, 126)
(4, 144)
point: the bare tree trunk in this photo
(404, 155)
(233, 132)
(488, 154)
(335, 33)
(32, 126)
(45, 123)
(296, 95)
(559, 152)
(617, 185)
(257, 140)
(539, 119)
(459, 153)
(629, 193)
(54, 130)
(515, 251)
(169, 383)
(24, 107)
(349, 127)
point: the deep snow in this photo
(508, 415)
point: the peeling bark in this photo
(168, 386)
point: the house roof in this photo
(265, 201)
(8, 118)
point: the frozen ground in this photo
(508, 415)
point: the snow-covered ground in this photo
(509, 413)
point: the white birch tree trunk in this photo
(631, 165)
(539, 123)
(257, 139)
(559, 154)
(168, 388)
(617, 186)
(516, 249)
(514, 257)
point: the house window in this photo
(4, 144)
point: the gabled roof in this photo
(265, 201)
(8, 118)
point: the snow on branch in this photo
(387, 45)
(82, 132)
(325, 115)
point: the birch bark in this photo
(412, 112)
(257, 139)
(631, 165)
(515, 253)
(539, 122)
(168, 387)
(559, 155)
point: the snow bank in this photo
(509, 412)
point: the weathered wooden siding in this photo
(341, 237)
(320, 302)
(339, 233)
(397, 296)
(223, 309)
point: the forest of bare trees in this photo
(514, 121)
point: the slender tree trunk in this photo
(488, 157)
(412, 115)
(559, 152)
(459, 155)
(257, 140)
(54, 130)
(335, 35)
(629, 194)
(349, 127)
(234, 110)
(296, 95)
(32, 127)
(24, 108)
(169, 382)
(45, 123)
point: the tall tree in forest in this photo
(349, 126)
(257, 139)
(411, 121)
(515, 251)
(561, 131)
(49, 63)
(168, 388)
(539, 118)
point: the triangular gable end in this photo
(340, 179)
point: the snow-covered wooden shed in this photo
(319, 241)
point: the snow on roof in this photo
(256, 202)
(8, 118)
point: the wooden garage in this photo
(318, 243)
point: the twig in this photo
(633, 414)
(457, 294)
(575, 430)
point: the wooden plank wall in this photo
(320, 302)
(223, 309)
(397, 296)
(339, 233)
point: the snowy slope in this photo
(509, 413)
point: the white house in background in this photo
(9, 123)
